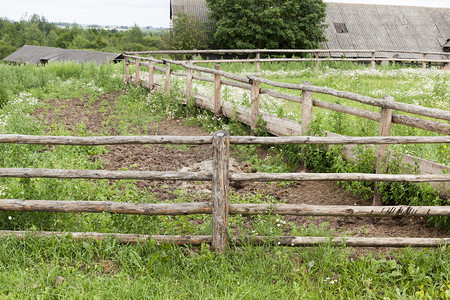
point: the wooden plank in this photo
(168, 78)
(410, 108)
(264, 177)
(385, 130)
(217, 87)
(294, 241)
(149, 209)
(297, 241)
(152, 209)
(254, 107)
(104, 140)
(138, 76)
(195, 240)
(151, 76)
(307, 108)
(102, 174)
(339, 210)
(188, 91)
(220, 190)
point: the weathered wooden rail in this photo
(283, 127)
(219, 207)
(371, 56)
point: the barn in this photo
(369, 27)
(42, 55)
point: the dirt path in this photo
(71, 113)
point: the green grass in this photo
(53, 268)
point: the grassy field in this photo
(428, 88)
(36, 268)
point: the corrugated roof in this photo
(370, 27)
(376, 27)
(39, 54)
(191, 7)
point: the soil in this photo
(70, 113)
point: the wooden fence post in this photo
(168, 78)
(316, 59)
(258, 57)
(137, 79)
(151, 75)
(255, 106)
(220, 190)
(217, 87)
(188, 84)
(372, 61)
(127, 70)
(307, 106)
(385, 130)
(424, 63)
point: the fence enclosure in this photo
(284, 127)
(219, 207)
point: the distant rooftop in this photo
(42, 55)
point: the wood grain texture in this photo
(220, 190)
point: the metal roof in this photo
(40, 55)
(369, 26)
(191, 7)
(387, 27)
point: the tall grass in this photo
(37, 268)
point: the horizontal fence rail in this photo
(205, 176)
(197, 240)
(203, 140)
(175, 209)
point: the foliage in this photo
(187, 33)
(37, 31)
(249, 24)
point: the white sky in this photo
(153, 13)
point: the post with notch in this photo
(168, 78)
(254, 94)
(385, 130)
(151, 75)
(127, 70)
(138, 78)
(220, 191)
(307, 106)
(217, 87)
(188, 83)
(372, 61)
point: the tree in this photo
(188, 32)
(275, 24)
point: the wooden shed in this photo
(369, 27)
(42, 55)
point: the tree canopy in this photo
(276, 24)
(188, 32)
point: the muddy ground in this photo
(70, 113)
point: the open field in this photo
(428, 88)
(84, 101)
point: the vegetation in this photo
(249, 24)
(61, 268)
(37, 31)
(187, 33)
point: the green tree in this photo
(188, 32)
(273, 24)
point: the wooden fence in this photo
(283, 127)
(219, 207)
(366, 56)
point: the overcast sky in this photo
(144, 13)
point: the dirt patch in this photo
(92, 114)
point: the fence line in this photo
(220, 207)
(285, 127)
